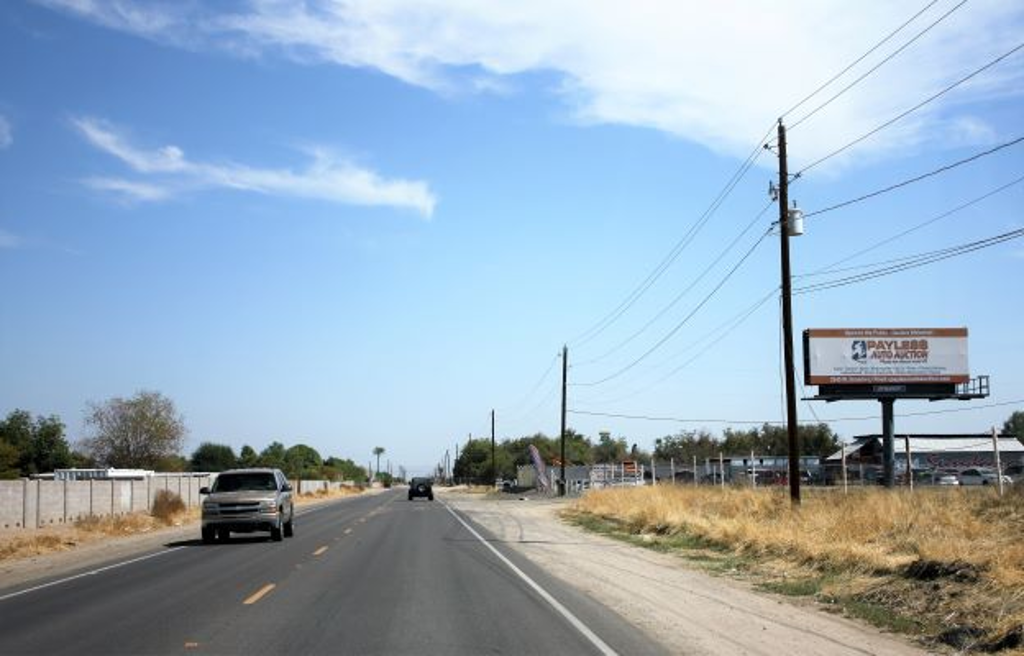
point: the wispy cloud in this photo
(129, 190)
(9, 240)
(716, 73)
(6, 133)
(326, 177)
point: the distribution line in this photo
(888, 240)
(904, 183)
(679, 325)
(884, 264)
(720, 332)
(676, 250)
(874, 68)
(775, 423)
(859, 59)
(921, 260)
(906, 113)
(683, 293)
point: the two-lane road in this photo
(369, 575)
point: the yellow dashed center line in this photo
(259, 594)
(320, 551)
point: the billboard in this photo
(834, 356)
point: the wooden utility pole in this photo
(565, 378)
(787, 323)
(494, 461)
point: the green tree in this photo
(174, 462)
(378, 451)
(248, 457)
(8, 461)
(272, 456)
(33, 446)
(684, 445)
(474, 463)
(210, 457)
(302, 461)
(50, 450)
(136, 432)
(1014, 425)
(609, 449)
(344, 470)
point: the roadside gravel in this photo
(688, 611)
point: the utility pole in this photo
(494, 461)
(787, 323)
(565, 377)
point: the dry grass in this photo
(28, 543)
(321, 494)
(936, 557)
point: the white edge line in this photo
(601, 645)
(91, 572)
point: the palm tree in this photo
(377, 451)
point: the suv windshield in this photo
(236, 482)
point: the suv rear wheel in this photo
(289, 528)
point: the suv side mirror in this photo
(287, 487)
(204, 490)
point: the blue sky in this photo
(359, 224)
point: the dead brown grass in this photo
(321, 494)
(27, 543)
(941, 557)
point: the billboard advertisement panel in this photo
(834, 356)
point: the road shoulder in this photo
(685, 610)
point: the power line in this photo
(681, 294)
(924, 176)
(859, 59)
(722, 331)
(914, 228)
(540, 381)
(676, 250)
(909, 111)
(779, 423)
(874, 68)
(679, 325)
(918, 261)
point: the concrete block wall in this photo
(12, 506)
(28, 503)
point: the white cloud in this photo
(6, 134)
(9, 240)
(326, 178)
(129, 189)
(717, 73)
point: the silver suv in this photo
(247, 500)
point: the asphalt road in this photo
(367, 575)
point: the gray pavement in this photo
(369, 575)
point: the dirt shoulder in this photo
(686, 610)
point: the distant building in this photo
(928, 452)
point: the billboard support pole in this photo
(888, 443)
(787, 323)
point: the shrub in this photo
(166, 505)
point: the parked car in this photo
(247, 500)
(979, 476)
(1015, 472)
(945, 478)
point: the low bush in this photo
(167, 506)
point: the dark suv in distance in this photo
(247, 500)
(421, 487)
